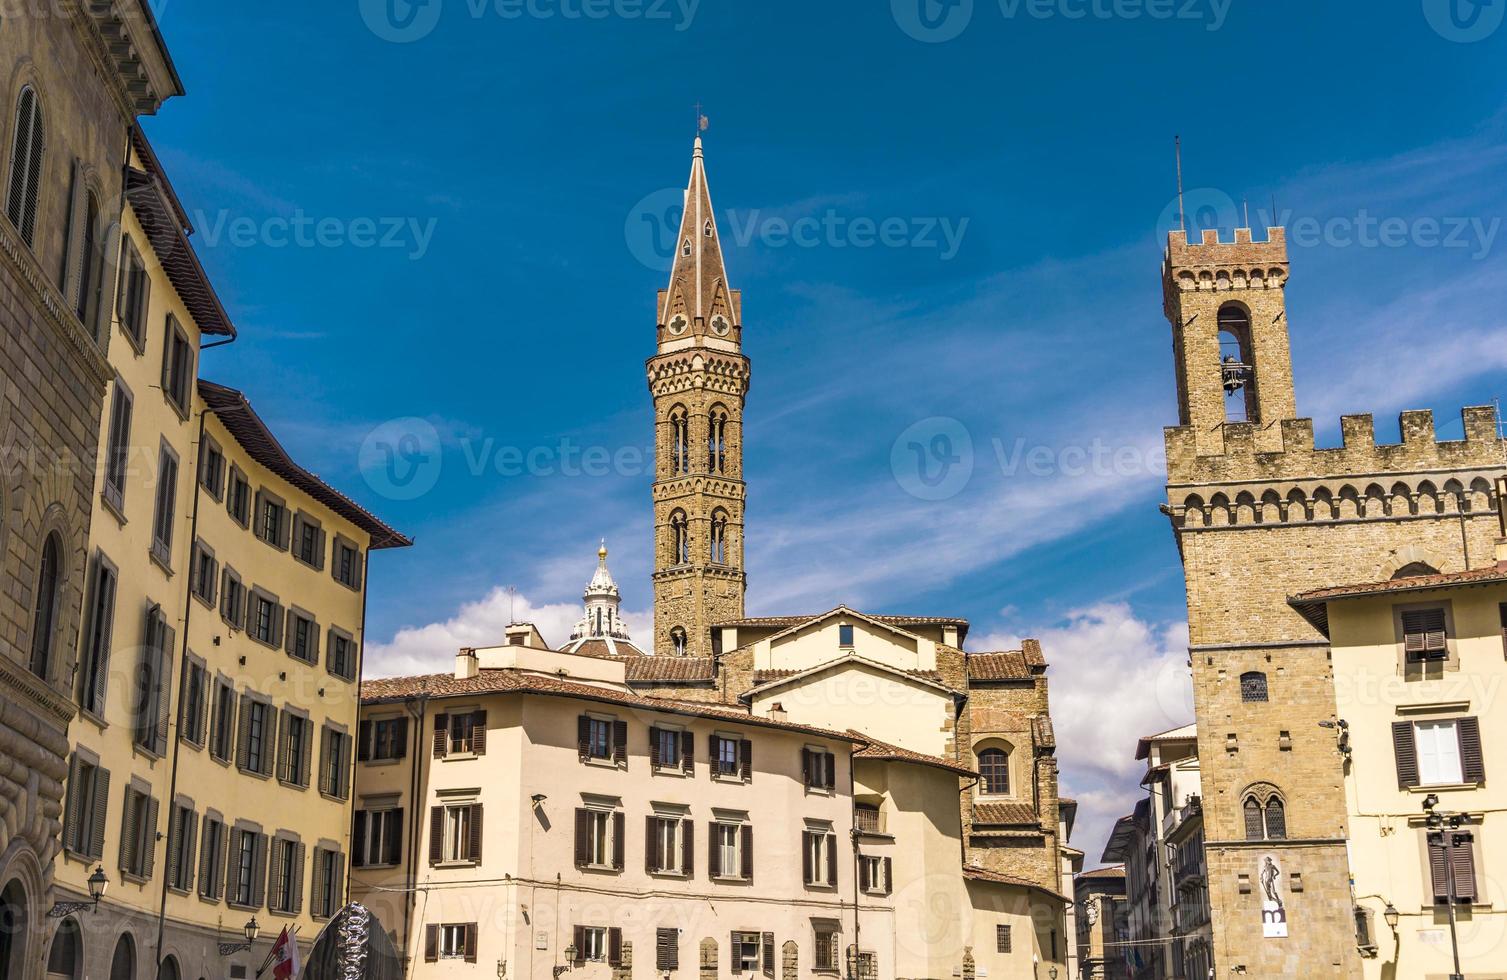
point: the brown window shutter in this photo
(1472, 762)
(806, 869)
(889, 876)
(1439, 868)
(832, 859)
(713, 851)
(864, 884)
(101, 807)
(687, 753)
(748, 865)
(688, 848)
(713, 754)
(580, 944)
(651, 844)
(436, 835)
(620, 742)
(441, 736)
(471, 943)
(654, 747)
(1463, 866)
(583, 837)
(358, 837)
(619, 838)
(1406, 745)
(431, 944)
(745, 750)
(733, 947)
(831, 769)
(363, 740)
(479, 733)
(806, 767)
(402, 737)
(583, 737)
(476, 836)
(614, 947)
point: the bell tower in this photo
(699, 380)
(1227, 306)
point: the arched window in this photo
(14, 913)
(123, 963)
(1237, 364)
(1253, 686)
(26, 165)
(719, 537)
(44, 616)
(1265, 814)
(680, 440)
(716, 440)
(994, 771)
(67, 951)
(678, 641)
(680, 533)
(91, 260)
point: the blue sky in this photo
(447, 213)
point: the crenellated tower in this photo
(699, 381)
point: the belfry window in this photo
(1265, 820)
(1253, 686)
(680, 534)
(1236, 364)
(680, 440)
(716, 440)
(678, 641)
(685, 248)
(719, 537)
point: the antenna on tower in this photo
(512, 602)
(1247, 202)
(1182, 215)
(702, 122)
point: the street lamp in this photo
(250, 930)
(1449, 840)
(1391, 916)
(97, 884)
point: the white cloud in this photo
(431, 648)
(1114, 678)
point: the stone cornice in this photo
(21, 683)
(76, 340)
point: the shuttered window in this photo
(177, 366)
(666, 950)
(667, 845)
(163, 519)
(28, 143)
(213, 841)
(455, 834)
(99, 631)
(88, 806)
(819, 858)
(327, 893)
(246, 875)
(1452, 865)
(138, 834)
(285, 876)
(818, 769)
(222, 737)
(153, 687)
(182, 836)
(1439, 752)
(377, 838)
(118, 447)
(133, 294)
(193, 704)
(1424, 634)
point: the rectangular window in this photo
(303, 638)
(599, 738)
(264, 618)
(819, 857)
(347, 564)
(238, 497)
(599, 839)
(271, 519)
(212, 858)
(135, 290)
(193, 704)
(666, 845)
(874, 874)
(177, 367)
(458, 942)
(458, 826)
(247, 858)
(286, 880)
(257, 719)
(308, 541)
(180, 854)
(825, 959)
(388, 739)
(334, 764)
(212, 468)
(293, 766)
(729, 839)
(221, 743)
(665, 745)
(593, 947)
(204, 574)
(138, 834)
(342, 655)
(94, 675)
(1424, 634)
(866, 818)
(329, 870)
(154, 683)
(819, 769)
(1439, 762)
(747, 952)
(845, 636)
(167, 500)
(1002, 938)
(731, 758)
(666, 950)
(118, 449)
(1452, 866)
(88, 804)
(378, 838)
(232, 598)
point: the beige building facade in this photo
(75, 80)
(210, 759)
(1261, 514)
(1103, 928)
(1419, 668)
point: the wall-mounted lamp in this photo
(97, 885)
(250, 930)
(1391, 916)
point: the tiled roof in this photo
(767, 676)
(236, 414)
(1116, 871)
(596, 646)
(518, 682)
(883, 751)
(1006, 815)
(995, 877)
(1186, 732)
(785, 622)
(1007, 665)
(643, 670)
(158, 212)
(1311, 604)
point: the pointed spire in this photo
(698, 279)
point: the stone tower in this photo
(1261, 514)
(699, 380)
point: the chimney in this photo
(466, 664)
(778, 713)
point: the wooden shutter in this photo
(130, 838)
(206, 862)
(441, 736)
(306, 753)
(654, 759)
(101, 813)
(479, 733)
(296, 874)
(620, 742)
(831, 770)
(243, 734)
(713, 851)
(748, 865)
(175, 832)
(436, 835)
(614, 947)
(168, 640)
(583, 837)
(769, 954)
(667, 950)
(476, 836)
(470, 941)
(735, 948)
(392, 844)
(889, 876)
(583, 737)
(713, 754)
(806, 779)
(745, 750)
(651, 844)
(688, 848)
(360, 825)
(1405, 743)
(687, 753)
(363, 740)
(326, 784)
(580, 944)
(1439, 867)
(75, 798)
(1463, 867)
(277, 875)
(864, 883)
(619, 838)
(401, 737)
(431, 944)
(1472, 761)
(832, 859)
(233, 867)
(807, 871)
(259, 871)
(1424, 631)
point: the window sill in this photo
(116, 508)
(160, 560)
(93, 719)
(675, 875)
(207, 603)
(380, 763)
(460, 757)
(138, 344)
(821, 886)
(209, 899)
(178, 410)
(452, 865)
(672, 770)
(254, 774)
(875, 835)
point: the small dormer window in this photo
(685, 248)
(678, 641)
(707, 229)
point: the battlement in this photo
(1361, 479)
(1211, 253)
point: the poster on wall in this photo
(1273, 909)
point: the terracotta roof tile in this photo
(767, 676)
(1006, 815)
(158, 211)
(646, 669)
(1116, 871)
(1009, 665)
(784, 622)
(1476, 576)
(489, 681)
(995, 877)
(884, 751)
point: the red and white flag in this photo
(285, 964)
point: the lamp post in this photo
(97, 885)
(250, 930)
(1449, 840)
